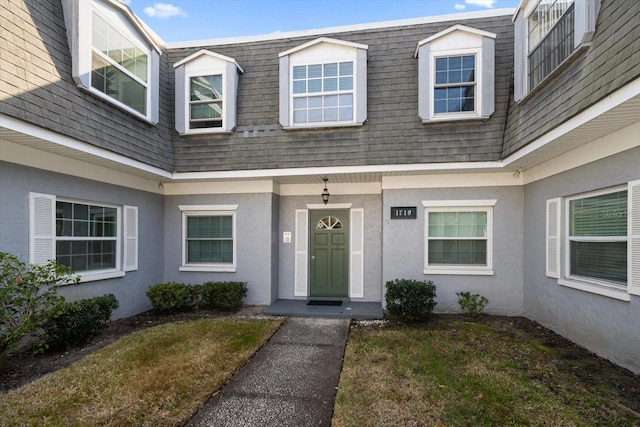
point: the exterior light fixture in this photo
(325, 193)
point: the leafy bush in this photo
(170, 296)
(27, 294)
(471, 304)
(223, 296)
(74, 323)
(411, 299)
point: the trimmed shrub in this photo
(168, 297)
(75, 323)
(223, 296)
(28, 293)
(412, 300)
(471, 304)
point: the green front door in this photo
(329, 253)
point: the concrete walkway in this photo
(291, 381)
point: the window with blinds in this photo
(598, 237)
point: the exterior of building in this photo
(492, 152)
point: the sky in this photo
(184, 20)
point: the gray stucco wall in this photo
(404, 246)
(15, 184)
(372, 241)
(254, 243)
(606, 326)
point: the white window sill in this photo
(454, 118)
(607, 291)
(308, 126)
(210, 268)
(213, 131)
(102, 275)
(458, 271)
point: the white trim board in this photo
(334, 189)
(487, 179)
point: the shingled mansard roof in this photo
(37, 88)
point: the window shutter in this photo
(633, 252)
(301, 245)
(356, 270)
(553, 238)
(130, 238)
(42, 228)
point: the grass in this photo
(455, 373)
(157, 377)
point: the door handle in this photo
(313, 258)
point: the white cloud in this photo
(164, 11)
(482, 3)
(459, 6)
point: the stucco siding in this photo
(606, 326)
(16, 183)
(254, 242)
(404, 246)
(372, 241)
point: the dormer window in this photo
(113, 56)
(323, 83)
(206, 91)
(551, 41)
(119, 66)
(547, 34)
(205, 103)
(456, 75)
(455, 84)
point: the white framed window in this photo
(600, 245)
(206, 93)
(547, 33)
(205, 102)
(119, 65)
(322, 93)
(456, 75)
(454, 87)
(96, 240)
(597, 238)
(209, 238)
(113, 56)
(550, 28)
(459, 237)
(323, 83)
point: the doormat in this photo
(324, 302)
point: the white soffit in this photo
(615, 112)
(32, 136)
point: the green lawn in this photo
(156, 377)
(455, 373)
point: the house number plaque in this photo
(403, 212)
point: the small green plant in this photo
(223, 296)
(28, 293)
(74, 323)
(471, 304)
(412, 300)
(168, 297)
